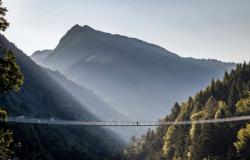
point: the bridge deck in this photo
(122, 123)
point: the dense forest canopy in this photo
(222, 98)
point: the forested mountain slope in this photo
(222, 98)
(138, 77)
(42, 97)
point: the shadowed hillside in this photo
(42, 97)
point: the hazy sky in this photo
(192, 28)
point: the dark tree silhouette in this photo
(4, 24)
(11, 79)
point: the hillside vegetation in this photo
(222, 98)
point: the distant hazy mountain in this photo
(140, 78)
(43, 97)
(39, 56)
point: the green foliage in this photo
(146, 147)
(8, 72)
(243, 143)
(222, 110)
(6, 141)
(3, 22)
(243, 106)
(226, 98)
(3, 114)
(11, 77)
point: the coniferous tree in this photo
(232, 98)
(11, 79)
(175, 111)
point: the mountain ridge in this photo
(131, 74)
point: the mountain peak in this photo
(86, 27)
(78, 28)
(75, 31)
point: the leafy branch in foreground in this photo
(11, 79)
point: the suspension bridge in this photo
(52, 121)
